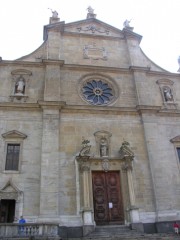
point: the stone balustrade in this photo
(28, 229)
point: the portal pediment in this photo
(9, 187)
(175, 139)
(10, 191)
(14, 134)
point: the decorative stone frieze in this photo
(93, 29)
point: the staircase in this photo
(121, 232)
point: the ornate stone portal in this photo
(88, 163)
(10, 192)
(127, 156)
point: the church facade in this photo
(89, 131)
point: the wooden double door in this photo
(107, 198)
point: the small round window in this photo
(97, 92)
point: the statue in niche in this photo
(167, 94)
(104, 150)
(20, 86)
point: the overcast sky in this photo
(22, 21)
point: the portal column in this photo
(87, 213)
(134, 211)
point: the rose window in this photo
(97, 92)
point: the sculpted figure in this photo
(168, 94)
(20, 85)
(103, 147)
(54, 13)
(126, 23)
(90, 10)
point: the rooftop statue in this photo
(54, 13)
(90, 10)
(126, 25)
(179, 61)
(90, 13)
(179, 64)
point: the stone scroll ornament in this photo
(85, 150)
(127, 155)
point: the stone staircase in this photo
(120, 232)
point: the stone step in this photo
(122, 232)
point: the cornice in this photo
(79, 67)
(157, 110)
(139, 68)
(75, 34)
(99, 110)
(51, 104)
(167, 74)
(53, 62)
(19, 106)
(89, 109)
(40, 63)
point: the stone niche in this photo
(20, 81)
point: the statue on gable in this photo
(54, 13)
(126, 25)
(91, 12)
(179, 63)
(90, 9)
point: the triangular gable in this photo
(175, 139)
(14, 134)
(91, 26)
(10, 187)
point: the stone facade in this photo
(90, 81)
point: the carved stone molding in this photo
(10, 191)
(175, 139)
(127, 164)
(93, 29)
(14, 134)
(105, 164)
(94, 52)
(84, 163)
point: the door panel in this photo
(107, 198)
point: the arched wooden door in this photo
(108, 204)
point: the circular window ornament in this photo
(98, 91)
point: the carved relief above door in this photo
(107, 199)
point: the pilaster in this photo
(49, 207)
